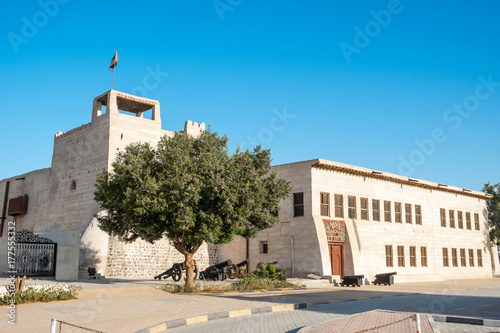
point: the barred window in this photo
(460, 219)
(298, 204)
(364, 208)
(418, 214)
(452, 218)
(401, 256)
(339, 205)
(463, 262)
(376, 210)
(471, 257)
(423, 256)
(397, 212)
(443, 217)
(454, 259)
(351, 205)
(413, 256)
(467, 221)
(388, 256)
(387, 211)
(325, 204)
(408, 213)
(445, 257)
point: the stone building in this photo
(348, 220)
(340, 220)
(60, 199)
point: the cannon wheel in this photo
(241, 273)
(260, 266)
(201, 276)
(232, 271)
(177, 272)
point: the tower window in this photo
(73, 185)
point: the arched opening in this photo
(73, 185)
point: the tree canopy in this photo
(191, 190)
(493, 211)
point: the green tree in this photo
(493, 211)
(191, 190)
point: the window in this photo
(423, 256)
(413, 256)
(387, 211)
(388, 255)
(471, 257)
(325, 204)
(445, 257)
(401, 256)
(418, 214)
(376, 210)
(73, 185)
(364, 208)
(479, 258)
(476, 221)
(454, 259)
(339, 205)
(467, 221)
(462, 258)
(408, 213)
(460, 219)
(298, 204)
(263, 247)
(351, 207)
(443, 217)
(452, 218)
(397, 212)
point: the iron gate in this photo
(36, 259)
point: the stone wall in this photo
(143, 259)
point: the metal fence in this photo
(35, 259)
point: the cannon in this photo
(384, 278)
(220, 271)
(242, 268)
(352, 280)
(261, 265)
(176, 272)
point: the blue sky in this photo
(408, 87)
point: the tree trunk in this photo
(189, 262)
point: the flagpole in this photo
(113, 82)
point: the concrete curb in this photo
(160, 328)
(163, 327)
(467, 320)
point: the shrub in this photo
(269, 277)
(32, 294)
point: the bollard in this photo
(53, 326)
(418, 323)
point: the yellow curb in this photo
(158, 329)
(196, 320)
(240, 313)
(283, 307)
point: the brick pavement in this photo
(377, 320)
(128, 306)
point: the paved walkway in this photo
(129, 306)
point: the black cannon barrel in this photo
(387, 274)
(220, 265)
(353, 276)
(243, 263)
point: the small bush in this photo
(269, 277)
(30, 294)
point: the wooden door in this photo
(336, 258)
